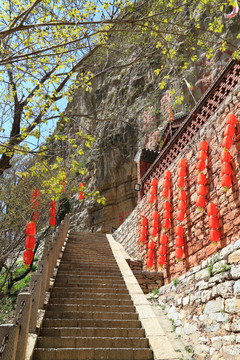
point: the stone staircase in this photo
(90, 314)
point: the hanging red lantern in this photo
(52, 221)
(28, 257)
(144, 231)
(179, 230)
(31, 228)
(225, 157)
(181, 172)
(151, 245)
(166, 183)
(167, 174)
(202, 155)
(180, 215)
(229, 131)
(212, 209)
(142, 239)
(200, 203)
(182, 195)
(180, 183)
(155, 215)
(167, 206)
(52, 211)
(150, 253)
(166, 224)
(165, 193)
(231, 119)
(226, 169)
(227, 143)
(182, 163)
(166, 214)
(163, 239)
(203, 145)
(214, 236)
(179, 241)
(179, 253)
(213, 222)
(80, 196)
(52, 203)
(162, 250)
(201, 179)
(200, 166)
(182, 205)
(161, 261)
(144, 221)
(149, 263)
(151, 199)
(154, 232)
(226, 182)
(30, 242)
(201, 190)
(153, 190)
(154, 223)
(154, 182)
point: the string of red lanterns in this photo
(29, 243)
(182, 165)
(52, 213)
(212, 212)
(226, 169)
(153, 233)
(153, 191)
(143, 232)
(166, 219)
(35, 204)
(201, 179)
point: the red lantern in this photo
(180, 215)
(162, 250)
(182, 163)
(35, 217)
(212, 209)
(28, 257)
(165, 193)
(202, 155)
(149, 263)
(181, 172)
(201, 190)
(154, 182)
(80, 196)
(163, 239)
(226, 169)
(214, 235)
(179, 231)
(166, 183)
(179, 253)
(180, 182)
(151, 199)
(166, 224)
(166, 214)
(151, 245)
(144, 231)
(30, 242)
(200, 203)
(35, 193)
(150, 253)
(167, 206)
(52, 211)
(154, 232)
(153, 190)
(167, 174)
(81, 185)
(203, 145)
(142, 239)
(144, 221)
(225, 157)
(182, 205)
(154, 223)
(161, 261)
(229, 131)
(201, 179)
(52, 221)
(35, 204)
(31, 228)
(213, 222)
(231, 119)
(155, 215)
(200, 166)
(227, 143)
(179, 241)
(182, 195)
(53, 203)
(226, 182)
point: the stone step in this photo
(89, 295)
(85, 308)
(90, 315)
(92, 354)
(97, 323)
(92, 282)
(80, 290)
(92, 332)
(80, 301)
(91, 342)
(86, 275)
(89, 287)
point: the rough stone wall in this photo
(197, 247)
(204, 306)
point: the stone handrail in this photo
(14, 337)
